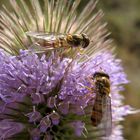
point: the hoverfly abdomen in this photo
(97, 112)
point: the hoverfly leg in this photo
(68, 50)
(90, 80)
(80, 50)
(90, 89)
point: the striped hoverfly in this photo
(101, 116)
(49, 41)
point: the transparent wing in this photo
(49, 38)
(36, 48)
(45, 36)
(106, 123)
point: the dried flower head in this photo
(49, 95)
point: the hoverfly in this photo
(57, 40)
(101, 116)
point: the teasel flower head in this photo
(47, 95)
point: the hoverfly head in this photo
(100, 74)
(86, 40)
(102, 79)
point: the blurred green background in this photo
(123, 17)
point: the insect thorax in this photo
(102, 83)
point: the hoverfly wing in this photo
(36, 48)
(52, 36)
(45, 41)
(106, 123)
(43, 36)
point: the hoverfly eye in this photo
(85, 40)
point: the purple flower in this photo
(78, 127)
(9, 128)
(34, 116)
(47, 93)
(55, 118)
(35, 134)
(45, 123)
